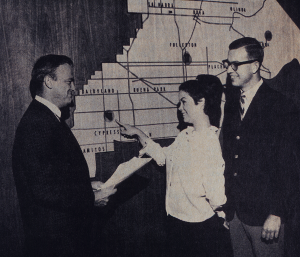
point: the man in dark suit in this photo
(258, 154)
(51, 175)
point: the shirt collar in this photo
(50, 105)
(252, 91)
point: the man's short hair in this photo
(46, 65)
(252, 47)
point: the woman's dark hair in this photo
(210, 88)
(46, 65)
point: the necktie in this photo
(242, 103)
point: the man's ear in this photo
(48, 81)
(255, 67)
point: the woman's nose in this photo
(179, 106)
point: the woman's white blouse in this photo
(195, 173)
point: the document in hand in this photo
(125, 170)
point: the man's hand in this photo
(102, 195)
(271, 227)
(101, 202)
(96, 185)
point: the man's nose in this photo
(73, 86)
(230, 70)
(73, 89)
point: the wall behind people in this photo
(89, 32)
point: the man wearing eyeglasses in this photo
(257, 154)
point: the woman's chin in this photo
(186, 120)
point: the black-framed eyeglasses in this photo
(235, 65)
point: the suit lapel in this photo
(61, 127)
(255, 108)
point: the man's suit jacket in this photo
(52, 181)
(259, 156)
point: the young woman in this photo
(195, 182)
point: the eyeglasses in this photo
(235, 65)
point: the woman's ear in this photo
(201, 102)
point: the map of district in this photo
(178, 41)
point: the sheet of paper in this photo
(125, 170)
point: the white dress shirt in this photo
(50, 105)
(249, 94)
(195, 173)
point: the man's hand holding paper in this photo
(102, 194)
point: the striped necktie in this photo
(242, 103)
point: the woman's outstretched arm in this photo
(149, 146)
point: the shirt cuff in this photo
(154, 150)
